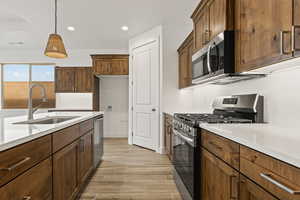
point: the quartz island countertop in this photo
(12, 134)
(282, 143)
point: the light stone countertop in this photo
(12, 135)
(282, 143)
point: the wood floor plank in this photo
(131, 173)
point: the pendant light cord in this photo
(55, 16)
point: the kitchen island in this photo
(46, 159)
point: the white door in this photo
(145, 99)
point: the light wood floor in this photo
(131, 173)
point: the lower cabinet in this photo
(219, 180)
(65, 172)
(253, 175)
(54, 167)
(168, 132)
(85, 156)
(71, 166)
(35, 183)
(250, 191)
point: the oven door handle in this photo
(182, 136)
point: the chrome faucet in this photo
(31, 110)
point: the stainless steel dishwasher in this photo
(98, 140)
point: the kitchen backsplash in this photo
(280, 89)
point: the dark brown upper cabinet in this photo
(210, 18)
(64, 79)
(185, 53)
(110, 64)
(73, 79)
(201, 29)
(83, 79)
(263, 32)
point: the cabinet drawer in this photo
(279, 178)
(86, 126)
(225, 149)
(64, 137)
(15, 161)
(6, 192)
(36, 183)
(249, 191)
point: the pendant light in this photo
(55, 46)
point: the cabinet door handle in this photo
(170, 130)
(207, 35)
(27, 198)
(110, 69)
(269, 178)
(295, 28)
(81, 145)
(215, 145)
(233, 187)
(282, 37)
(14, 166)
(204, 39)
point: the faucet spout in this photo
(31, 110)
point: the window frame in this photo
(30, 77)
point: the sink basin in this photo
(48, 120)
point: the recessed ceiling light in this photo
(125, 28)
(71, 28)
(16, 43)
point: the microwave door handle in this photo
(208, 58)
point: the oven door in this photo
(184, 152)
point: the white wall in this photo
(75, 57)
(82, 101)
(114, 93)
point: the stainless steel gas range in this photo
(186, 140)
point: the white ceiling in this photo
(97, 22)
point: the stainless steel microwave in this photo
(215, 60)
(214, 63)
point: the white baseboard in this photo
(161, 150)
(116, 136)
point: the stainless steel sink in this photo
(48, 120)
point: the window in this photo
(17, 79)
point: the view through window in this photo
(16, 81)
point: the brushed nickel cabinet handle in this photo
(27, 198)
(269, 178)
(215, 145)
(282, 50)
(207, 36)
(81, 145)
(294, 28)
(14, 166)
(204, 38)
(233, 187)
(110, 68)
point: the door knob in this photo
(153, 109)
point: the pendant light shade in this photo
(55, 47)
